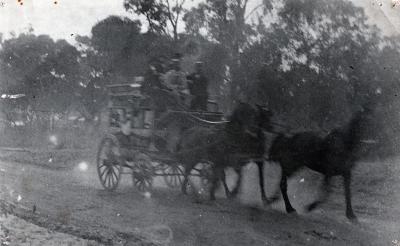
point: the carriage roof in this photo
(127, 96)
(129, 89)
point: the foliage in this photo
(118, 51)
(44, 70)
(115, 53)
(317, 61)
(161, 15)
(225, 22)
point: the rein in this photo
(182, 152)
(184, 110)
(206, 121)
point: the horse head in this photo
(358, 121)
(349, 137)
(264, 118)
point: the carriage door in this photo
(143, 121)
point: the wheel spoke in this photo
(102, 164)
(106, 180)
(173, 176)
(103, 172)
(180, 178)
(109, 176)
(108, 170)
(115, 174)
(112, 171)
(142, 174)
(112, 178)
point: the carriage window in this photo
(148, 119)
(117, 115)
(137, 120)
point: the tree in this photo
(226, 23)
(318, 61)
(46, 71)
(161, 15)
(115, 53)
(119, 51)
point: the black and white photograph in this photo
(199, 122)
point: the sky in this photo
(63, 19)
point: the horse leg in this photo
(283, 186)
(264, 198)
(214, 181)
(223, 179)
(324, 193)
(186, 178)
(235, 190)
(347, 193)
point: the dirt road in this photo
(73, 201)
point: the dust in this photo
(26, 184)
(64, 215)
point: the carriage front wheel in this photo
(142, 173)
(108, 167)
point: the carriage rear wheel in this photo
(108, 166)
(142, 174)
(173, 176)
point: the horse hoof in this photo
(267, 202)
(273, 199)
(231, 196)
(291, 211)
(352, 217)
(311, 206)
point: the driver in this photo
(175, 80)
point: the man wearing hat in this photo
(198, 83)
(175, 79)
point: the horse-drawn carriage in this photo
(146, 141)
(142, 140)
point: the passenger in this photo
(175, 79)
(152, 79)
(198, 83)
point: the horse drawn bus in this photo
(177, 143)
(143, 140)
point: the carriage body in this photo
(141, 140)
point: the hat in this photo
(177, 56)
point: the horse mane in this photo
(240, 113)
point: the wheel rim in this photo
(142, 175)
(173, 176)
(206, 174)
(108, 168)
(203, 172)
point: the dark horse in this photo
(333, 155)
(230, 145)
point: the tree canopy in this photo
(43, 69)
